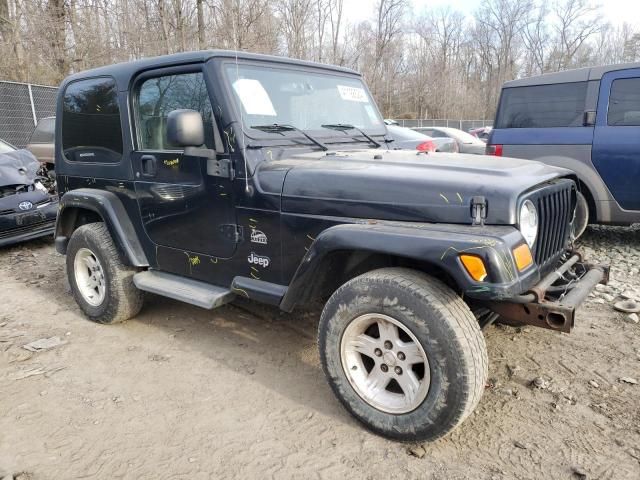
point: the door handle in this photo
(149, 165)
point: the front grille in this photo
(555, 204)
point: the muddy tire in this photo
(101, 283)
(403, 353)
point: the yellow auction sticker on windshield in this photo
(352, 94)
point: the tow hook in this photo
(552, 306)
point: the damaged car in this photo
(215, 176)
(27, 207)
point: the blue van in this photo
(587, 120)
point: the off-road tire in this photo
(446, 329)
(122, 299)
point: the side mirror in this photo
(185, 128)
(589, 118)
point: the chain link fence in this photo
(21, 106)
(464, 125)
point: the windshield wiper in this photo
(343, 127)
(279, 128)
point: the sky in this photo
(616, 11)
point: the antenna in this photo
(243, 147)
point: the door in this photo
(181, 206)
(616, 142)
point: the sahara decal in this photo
(259, 260)
(258, 236)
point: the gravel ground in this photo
(180, 392)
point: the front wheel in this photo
(403, 353)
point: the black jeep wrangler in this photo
(208, 176)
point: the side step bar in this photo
(184, 289)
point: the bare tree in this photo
(295, 17)
(575, 26)
(499, 27)
(335, 20)
(536, 41)
(201, 43)
(440, 63)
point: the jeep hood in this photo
(405, 186)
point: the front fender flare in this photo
(109, 207)
(436, 244)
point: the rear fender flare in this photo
(109, 207)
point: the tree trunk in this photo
(201, 44)
(57, 40)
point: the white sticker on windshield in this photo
(353, 94)
(254, 97)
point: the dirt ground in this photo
(238, 392)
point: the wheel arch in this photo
(587, 179)
(583, 188)
(339, 266)
(345, 251)
(86, 205)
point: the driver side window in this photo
(160, 95)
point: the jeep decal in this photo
(259, 260)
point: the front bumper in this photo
(20, 227)
(553, 301)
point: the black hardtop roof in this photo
(124, 71)
(570, 76)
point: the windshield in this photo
(304, 99)
(5, 147)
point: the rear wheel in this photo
(101, 283)
(581, 216)
(403, 353)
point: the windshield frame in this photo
(287, 137)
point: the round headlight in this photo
(528, 222)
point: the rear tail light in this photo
(427, 146)
(495, 150)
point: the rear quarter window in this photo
(91, 129)
(624, 103)
(542, 106)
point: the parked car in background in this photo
(481, 133)
(466, 142)
(390, 121)
(41, 142)
(587, 120)
(409, 139)
(27, 209)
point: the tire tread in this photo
(449, 309)
(125, 300)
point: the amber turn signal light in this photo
(474, 266)
(523, 257)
